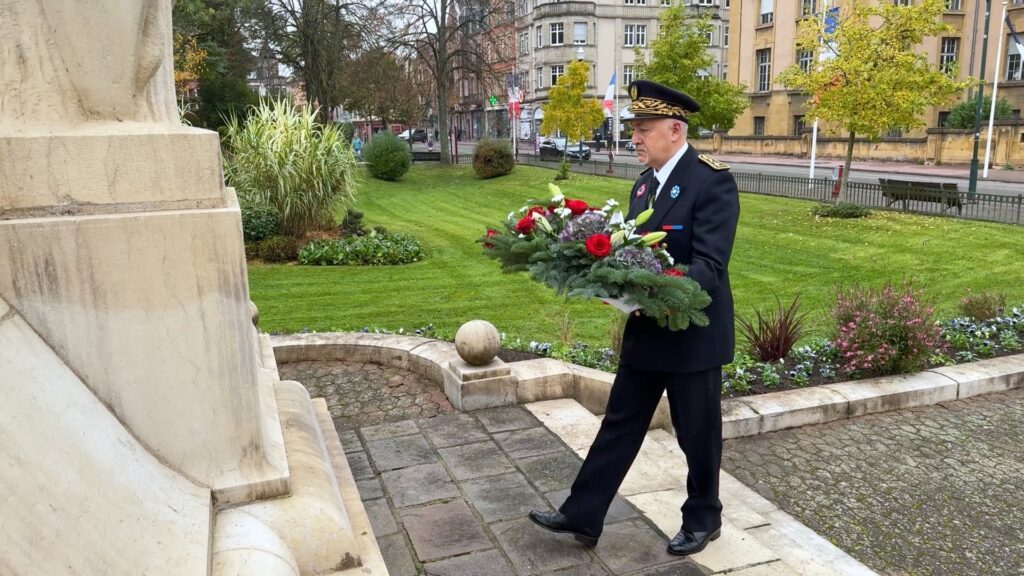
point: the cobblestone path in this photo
(937, 490)
(361, 394)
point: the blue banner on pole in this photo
(831, 20)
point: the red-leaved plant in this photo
(891, 330)
(775, 332)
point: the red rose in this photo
(673, 272)
(525, 224)
(491, 232)
(577, 207)
(535, 210)
(599, 245)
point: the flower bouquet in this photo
(581, 251)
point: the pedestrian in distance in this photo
(696, 202)
(357, 147)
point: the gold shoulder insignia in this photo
(715, 164)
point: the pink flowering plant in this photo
(583, 251)
(891, 330)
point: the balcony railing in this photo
(564, 9)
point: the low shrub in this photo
(982, 305)
(352, 224)
(891, 330)
(493, 158)
(840, 210)
(775, 332)
(371, 250)
(563, 170)
(387, 157)
(259, 220)
(276, 249)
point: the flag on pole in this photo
(1013, 34)
(609, 95)
(514, 94)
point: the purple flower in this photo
(639, 258)
(583, 226)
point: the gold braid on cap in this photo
(657, 107)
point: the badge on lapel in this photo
(675, 192)
(641, 191)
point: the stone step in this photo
(757, 538)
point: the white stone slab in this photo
(739, 420)
(542, 379)
(799, 546)
(568, 420)
(986, 376)
(895, 392)
(429, 358)
(795, 408)
(734, 548)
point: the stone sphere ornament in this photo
(477, 342)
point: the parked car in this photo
(414, 135)
(556, 147)
(630, 146)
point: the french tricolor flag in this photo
(609, 95)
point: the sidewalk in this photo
(995, 174)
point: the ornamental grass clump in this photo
(280, 157)
(387, 157)
(884, 331)
(773, 334)
(982, 305)
(493, 158)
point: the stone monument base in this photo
(471, 387)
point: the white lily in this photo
(542, 222)
(563, 212)
(617, 218)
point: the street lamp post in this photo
(972, 184)
(579, 56)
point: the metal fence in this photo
(993, 207)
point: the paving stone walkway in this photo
(935, 490)
(448, 496)
(363, 394)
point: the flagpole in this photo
(615, 122)
(814, 131)
(995, 92)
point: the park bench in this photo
(945, 193)
(426, 156)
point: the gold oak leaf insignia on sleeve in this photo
(715, 164)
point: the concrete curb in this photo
(549, 379)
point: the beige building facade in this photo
(550, 34)
(764, 43)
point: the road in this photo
(1006, 183)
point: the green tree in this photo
(874, 78)
(567, 110)
(680, 59)
(962, 115)
(378, 85)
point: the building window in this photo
(725, 71)
(557, 34)
(808, 7)
(902, 2)
(524, 43)
(954, 5)
(579, 33)
(767, 12)
(705, 2)
(725, 36)
(666, 2)
(894, 133)
(540, 36)
(1013, 67)
(709, 39)
(635, 35)
(627, 76)
(758, 125)
(764, 70)
(556, 73)
(540, 77)
(798, 125)
(948, 55)
(636, 2)
(805, 58)
(943, 119)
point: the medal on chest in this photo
(675, 192)
(641, 191)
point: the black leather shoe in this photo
(557, 522)
(686, 542)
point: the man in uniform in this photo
(695, 201)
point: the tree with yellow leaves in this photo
(189, 63)
(872, 77)
(567, 110)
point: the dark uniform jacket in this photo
(707, 207)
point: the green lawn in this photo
(780, 249)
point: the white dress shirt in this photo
(666, 170)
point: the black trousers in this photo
(695, 402)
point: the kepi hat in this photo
(653, 100)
